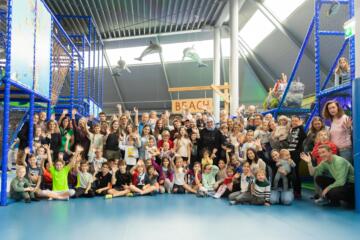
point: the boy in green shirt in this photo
(20, 187)
(339, 186)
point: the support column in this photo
(216, 72)
(234, 71)
(356, 107)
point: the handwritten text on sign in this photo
(194, 105)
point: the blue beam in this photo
(331, 33)
(297, 63)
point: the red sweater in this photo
(315, 151)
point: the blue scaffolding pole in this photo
(356, 108)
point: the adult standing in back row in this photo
(210, 138)
(340, 128)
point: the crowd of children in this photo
(248, 158)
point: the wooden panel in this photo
(194, 105)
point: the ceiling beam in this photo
(263, 67)
(158, 34)
(120, 31)
(109, 19)
(274, 20)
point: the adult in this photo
(280, 196)
(165, 138)
(53, 138)
(65, 129)
(210, 138)
(144, 120)
(334, 175)
(295, 140)
(80, 134)
(340, 128)
(316, 126)
(111, 146)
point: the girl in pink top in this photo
(340, 129)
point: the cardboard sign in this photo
(194, 105)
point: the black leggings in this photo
(295, 155)
(337, 194)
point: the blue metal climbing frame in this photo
(89, 43)
(73, 51)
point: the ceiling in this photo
(128, 18)
(129, 23)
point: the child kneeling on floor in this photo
(20, 187)
(208, 180)
(259, 193)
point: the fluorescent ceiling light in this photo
(256, 29)
(283, 9)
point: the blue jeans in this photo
(347, 153)
(282, 197)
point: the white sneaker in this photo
(232, 202)
(322, 201)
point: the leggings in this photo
(343, 193)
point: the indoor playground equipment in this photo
(322, 91)
(44, 68)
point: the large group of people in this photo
(248, 158)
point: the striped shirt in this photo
(262, 190)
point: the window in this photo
(256, 29)
(283, 9)
(172, 52)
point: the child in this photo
(59, 173)
(131, 151)
(180, 185)
(33, 173)
(20, 187)
(194, 177)
(97, 161)
(322, 137)
(166, 175)
(207, 159)
(249, 143)
(153, 178)
(121, 180)
(278, 139)
(208, 179)
(96, 140)
(165, 151)
(140, 180)
(102, 182)
(284, 165)
(84, 181)
(246, 179)
(151, 150)
(260, 191)
(227, 183)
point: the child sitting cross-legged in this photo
(20, 187)
(102, 181)
(208, 180)
(227, 184)
(84, 181)
(121, 180)
(59, 173)
(180, 185)
(259, 191)
(140, 180)
(244, 179)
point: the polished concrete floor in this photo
(173, 217)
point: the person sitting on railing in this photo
(342, 72)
